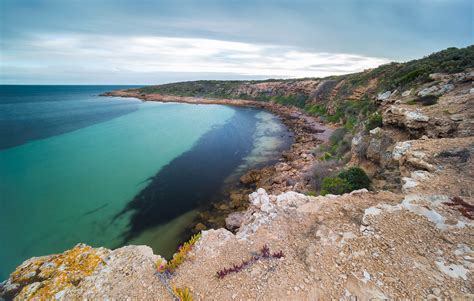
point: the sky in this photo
(151, 42)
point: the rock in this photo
(436, 90)
(375, 131)
(238, 199)
(282, 167)
(400, 149)
(234, 220)
(359, 147)
(428, 91)
(379, 143)
(457, 117)
(59, 275)
(439, 76)
(250, 177)
(445, 88)
(436, 291)
(384, 96)
(200, 227)
(416, 116)
(420, 164)
(471, 91)
(406, 93)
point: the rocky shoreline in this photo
(289, 174)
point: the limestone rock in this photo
(234, 220)
(384, 96)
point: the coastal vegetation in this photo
(178, 257)
(183, 294)
(348, 180)
(264, 253)
(385, 77)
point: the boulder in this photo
(439, 76)
(379, 143)
(200, 227)
(384, 96)
(406, 93)
(436, 90)
(234, 220)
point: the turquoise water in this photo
(84, 184)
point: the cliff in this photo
(409, 126)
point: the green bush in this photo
(334, 186)
(346, 181)
(317, 110)
(355, 177)
(374, 120)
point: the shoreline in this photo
(288, 174)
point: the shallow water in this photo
(116, 171)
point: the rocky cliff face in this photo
(411, 237)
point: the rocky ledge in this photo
(360, 245)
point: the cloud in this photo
(155, 54)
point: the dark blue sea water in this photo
(76, 167)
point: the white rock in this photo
(453, 270)
(420, 175)
(370, 212)
(384, 96)
(409, 184)
(428, 91)
(457, 117)
(446, 88)
(375, 131)
(366, 277)
(406, 93)
(416, 116)
(400, 149)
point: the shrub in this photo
(183, 294)
(321, 170)
(326, 156)
(334, 186)
(374, 120)
(317, 110)
(355, 177)
(337, 136)
(178, 257)
(263, 254)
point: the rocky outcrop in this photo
(86, 272)
(360, 245)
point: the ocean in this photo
(76, 167)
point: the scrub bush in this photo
(356, 178)
(334, 186)
(374, 121)
(346, 181)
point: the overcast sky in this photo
(147, 42)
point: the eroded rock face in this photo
(46, 277)
(378, 148)
(85, 272)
